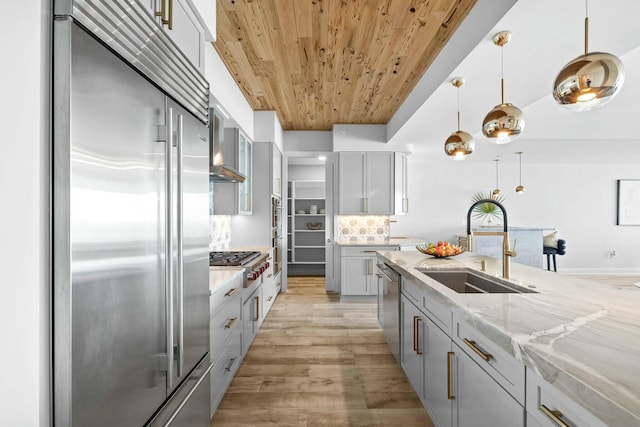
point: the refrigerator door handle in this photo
(169, 248)
(180, 252)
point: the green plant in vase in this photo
(486, 212)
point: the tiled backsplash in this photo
(363, 228)
(220, 232)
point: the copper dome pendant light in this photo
(520, 187)
(590, 80)
(505, 122)
(460, 143)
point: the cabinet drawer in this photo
(366, 250)
(225, 323)
(224, 367)
(437, 311)
(544, 401)
(411, 290)
(224, 293)
(505, 369)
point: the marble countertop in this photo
(581, 336)
(392, 241)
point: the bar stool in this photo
(550, 251)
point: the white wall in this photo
(227, 93)
(577, 199)
(308, 140)
(267, 128)
(307, 172)
(24, 191)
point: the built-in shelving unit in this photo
(305, 245)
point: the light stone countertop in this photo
(393, 241)
(581, 336)
(219, 276)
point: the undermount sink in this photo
(464, 282)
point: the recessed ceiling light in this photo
(322, 157)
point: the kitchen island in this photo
(580, 336)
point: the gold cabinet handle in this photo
(450, 395)
(556, 416)
(168, 22)
(485, 356)
(416, 334)
(231, 322)
(230, 292)
(257, 309)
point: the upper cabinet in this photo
(235, 198)
(276, 185)
(181, 21)
(401, 203)
(366, 183)
(245, 166)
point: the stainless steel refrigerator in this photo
(130, 222)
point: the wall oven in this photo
(276, 232)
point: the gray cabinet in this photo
(401, 184)
(357, 269)
(412, 344)
(235, 198)
(549, 407)
(366, 183)
(462, 380)
(181, 23)
(251, 316)
(276, 168)
(477, 399)
(225, 336)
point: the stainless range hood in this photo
(218, 169)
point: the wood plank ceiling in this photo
(322, 62)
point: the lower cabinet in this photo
(549, 407)
(225, 338)
(476, 398)
(454, 388)
(438, 369)
(236, 316)
(251, 317)
(357, 269)
(412, 344)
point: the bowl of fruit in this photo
(440, 249)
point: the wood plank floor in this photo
(318, 361)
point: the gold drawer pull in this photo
(231, 292)
(231, 322)
(556, 416)
(416, 334)
(450, 395)
(257, 309)
(474, 347)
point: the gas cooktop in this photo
(232, 258)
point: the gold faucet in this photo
(507, 253)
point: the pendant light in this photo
(460, 143)
(520, 188)
(497, 191)
(505, 122)
(590, 80)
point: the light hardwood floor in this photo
(318, 361)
